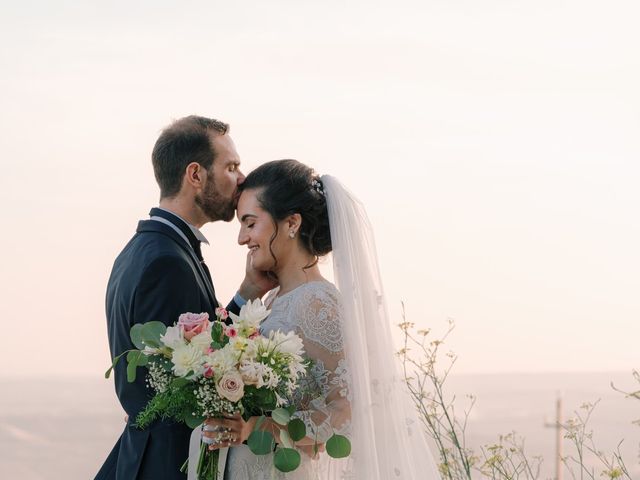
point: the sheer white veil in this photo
(386, 435)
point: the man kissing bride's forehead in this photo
(161, 274)
(289, 217)
(198, 149)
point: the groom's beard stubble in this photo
(214, 205)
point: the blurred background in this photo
(495, 144)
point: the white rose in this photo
(202, 341)
(231, 387)
(173, 337)
(187, 358)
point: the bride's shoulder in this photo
(321, 288)
(318, 314)
(320, 295)
(270, 297)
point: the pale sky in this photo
(494, 143)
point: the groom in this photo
(161, 274)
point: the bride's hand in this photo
(256, 283)
(227, 431)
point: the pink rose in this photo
(193, 324)
(222, 313)
(231, 332)
(208, 372)
(231, 387)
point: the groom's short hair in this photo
(186, 140)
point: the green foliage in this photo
(338, 446)
(297, 429)
(151, 332)
(286, 459)
(174, 404)
(193, 421)
(218, 338)
(258, 400)
(281, 416)
(107, 374)
(261, 442)
(135, 359)
(136, 335)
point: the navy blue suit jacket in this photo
(156, 277)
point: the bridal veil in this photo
(386, 435)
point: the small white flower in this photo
(279, 400)
(173, 337)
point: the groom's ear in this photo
(195, 175)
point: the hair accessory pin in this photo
(317, 186)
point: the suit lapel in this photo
(157, 227)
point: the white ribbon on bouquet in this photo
(194, 455)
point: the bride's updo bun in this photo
(288, 187)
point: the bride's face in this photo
(258, 233)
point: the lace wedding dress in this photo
(314, 312)
(359, 390)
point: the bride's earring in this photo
(292, 234)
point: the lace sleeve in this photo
(324, 401)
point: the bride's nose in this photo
(243, 238)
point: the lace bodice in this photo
(314, 312)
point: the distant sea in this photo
(64, 428)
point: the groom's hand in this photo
(256, 283)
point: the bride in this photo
(289, 218)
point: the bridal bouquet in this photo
(201, 368)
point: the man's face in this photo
(219, 198)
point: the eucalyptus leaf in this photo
(107, 374)
(338, 446)
(193, 422)
(281, 416)
(151, 332)
(286, 459)
(260, 442)
(131, 372)
(137, 357)
(297, 429)
(136, 336)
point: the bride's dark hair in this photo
(288, 187)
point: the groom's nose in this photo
(241, 178)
